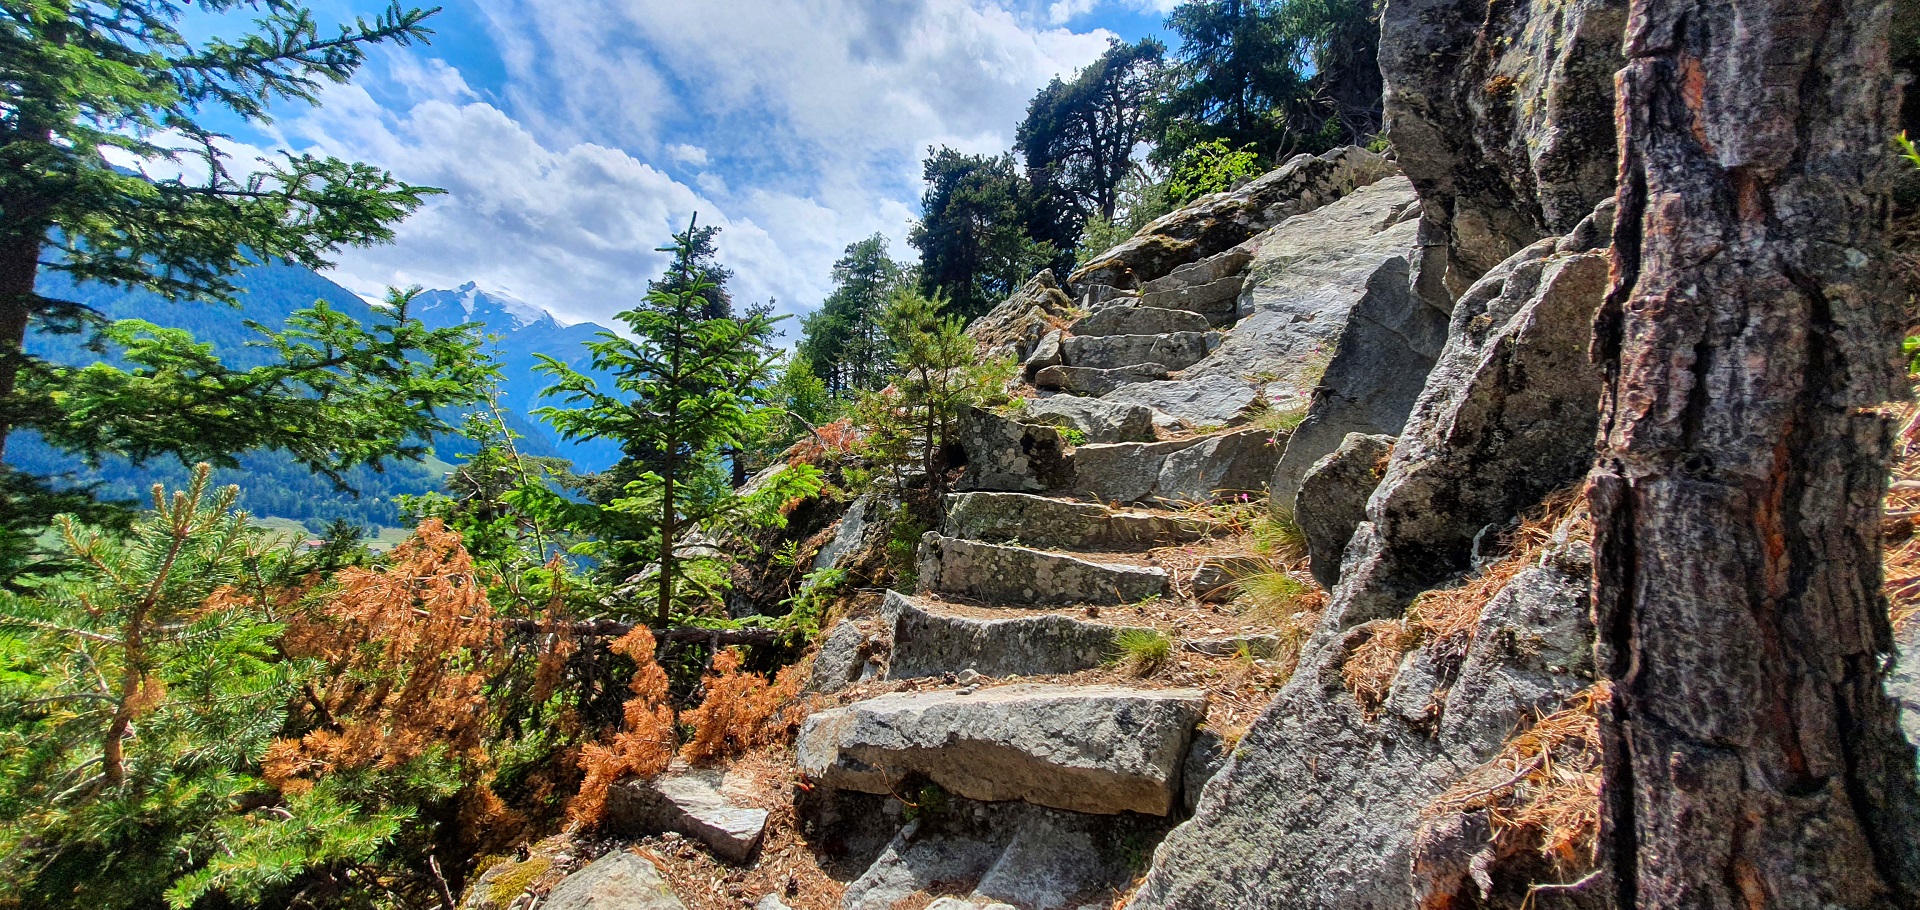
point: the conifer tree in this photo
(88, 86)
(686, 388)
(843, 342)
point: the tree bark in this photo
(1754, 759)
(19, 269)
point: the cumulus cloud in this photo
(805, 119)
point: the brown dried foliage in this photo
(1446, 617)
(1372, 665)
(643, 747)
(742, 711)
(1901, 552)
(405, 650)
(1543, 790)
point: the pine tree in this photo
(1079, 137)
(85, 85)
(974, 236)
(843, 342)
(686, 388)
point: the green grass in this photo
(1142, 650)
(1278, 536)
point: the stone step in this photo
(1139, 320)
(1095, 749)
(1204, 272)
(1091, 381)
(1059, 524)
(1174, 351)
(1093, 419)
(932, 639)
(1178, 472)
(1218, 302)
(1001, 574)
(696, 803)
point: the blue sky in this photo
(574, 135)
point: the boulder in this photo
(1205, 758)
(1217, 303)
(930, 641)
(1215, 223)
(1226, 465)
(1505, 123)
(1205, 272)
(1904, 683)
(1090, 381)
(1111, 352)
(617, 881)
(1125, 472)
(1059, 524)
(852, 537)
(1196, 403)
(1095, 420)
(1046, 353)
(1139, 319)
(1018, 575)
(1096, 749)
(1005, 454)
(1333, 500)
(841, 660)
(692, 802)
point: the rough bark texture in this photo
(1754, 759)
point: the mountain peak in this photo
(498, 309)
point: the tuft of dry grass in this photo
(1446, 617)
(1543, 790)
(1371, 666)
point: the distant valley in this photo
(273, 486)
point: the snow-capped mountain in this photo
(468, 303)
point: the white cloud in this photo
(807, 118)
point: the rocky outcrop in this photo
(1111, 352)
(1333, 500)
(1314, 280)
(1019, 323)
(930, 641)
(704, 805)
(1021, 575)
(1093, 749)
(1135, 318)
(841, 660)
(1092, 381)
(1179, 472)
(1215, 223)
(1198, 403)
(1503, 118)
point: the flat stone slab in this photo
(1206, 401)
(1006, 454)
(1179, 472)
(1137, 319)
(1206, 271)
(1096, 749)
(928, 642)
(1089, 381)
(617, 881)
(1174, 351)
(1003, 574)
(694, 803)
(1095, 420)
(1218, 303)
(1060, 524)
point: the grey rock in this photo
(1094, 749)
(1046, 353)
(1096, 420)
(617, 881)
(930, 642)
(1215, 223)
(1004, 454)
(1217, 578)
(1505, 124)
(1196, 403)
(1111, 352)
(841, 659)
(1217, 303)
(1090, 381)
(1307, 279)
(1097, 295)
(1220, 466)
(1257, 646)
(691, 802)
(1140, 319)
(856, 529)
(1125, 472)
(1333, 500)
(771, 902)
(1205, 272)
(1019, 575)
(1018, 324)
(1904, 685)
(1205, 758)
(1058, 524)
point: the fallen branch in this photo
(614, 628)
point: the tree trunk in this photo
(19, 269)
(1754, 759)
